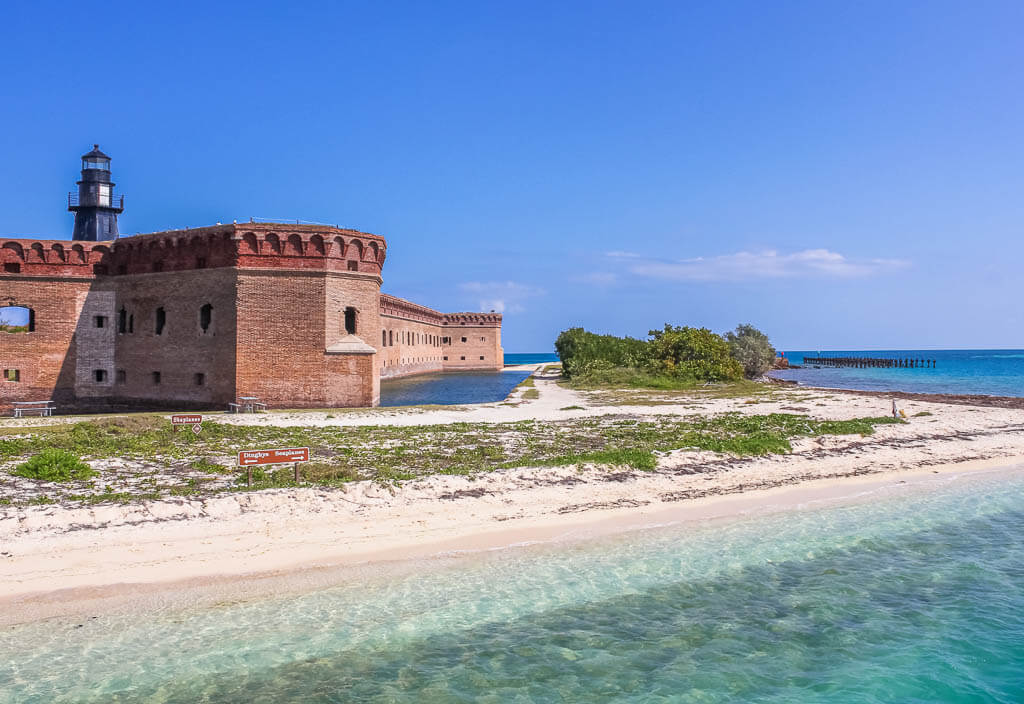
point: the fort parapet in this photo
(195, 318)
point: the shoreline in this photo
(239, 545)
(988, 400)
(282, 575)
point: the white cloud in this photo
(769, 264)
(501, 296)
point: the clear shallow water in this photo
(530, 358)
(915, 597)
(992, 372)
(449, 388)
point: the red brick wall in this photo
(45, 358)
(278, 295)
(183, 349)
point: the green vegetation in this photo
(922, 414)
(752, 349)
(672, 358)
(54, 465)
(571, 408)
(162, 462)
(531, 394)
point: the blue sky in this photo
(842, 175)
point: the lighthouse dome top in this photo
(95, 159)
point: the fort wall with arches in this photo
(196, 318)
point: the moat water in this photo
(449, 388)
(453, 388)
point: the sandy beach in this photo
(63, 559)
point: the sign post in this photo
(287, 455)
(196, 421)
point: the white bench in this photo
(247, 404)
(43, 408)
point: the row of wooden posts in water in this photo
(868, 362)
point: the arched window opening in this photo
(383, 338)
(391, 338)
(350, 320)
(205, 317)
(17, 319)
(161, 320)
(122, 321)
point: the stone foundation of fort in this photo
(197, 318)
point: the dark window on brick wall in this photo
(481, 356)
(383, 338)
(122, 321)
(12, 375)
(122, 376)
(350, 320)
(131, 323)
(205, 317)
(200, 379)
(353, 266)
(391, 338)
(100, 375)
(463, 339)
(156, 377)
(446, 358)
(12, 268)
(463, 358)
(161, 320)
(100, 321)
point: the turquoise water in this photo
(449, 388)
(914, 596)
(530, 358)
(992, 372)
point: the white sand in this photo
(95, 551)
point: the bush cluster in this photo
(671, 356)
(54, 465)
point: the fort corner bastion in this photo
(292, 314)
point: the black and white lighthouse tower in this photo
(95, 206)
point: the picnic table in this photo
(247, 404)
(43, 408)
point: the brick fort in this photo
(292, 314)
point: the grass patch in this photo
(632, 457)
(390, 454)
(526, 383)
(54, 465)
(922, 414)
(572, 408)
(531, 394)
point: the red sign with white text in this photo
(248, 458)
(186, 420)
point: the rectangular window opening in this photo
(100, 375)
(156, 377)
(12, 375)
(12, 268)
(353, 266)
(100, 321)
(200, 379)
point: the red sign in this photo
(186, 420)
(247, 458)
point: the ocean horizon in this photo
(998, 372)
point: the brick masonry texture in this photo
(198, 318)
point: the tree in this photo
(752, 349)
(693, 353)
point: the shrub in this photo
(693, 353)
(580, 350)
(53, 465)
(752, 349)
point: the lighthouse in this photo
(95, 206)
